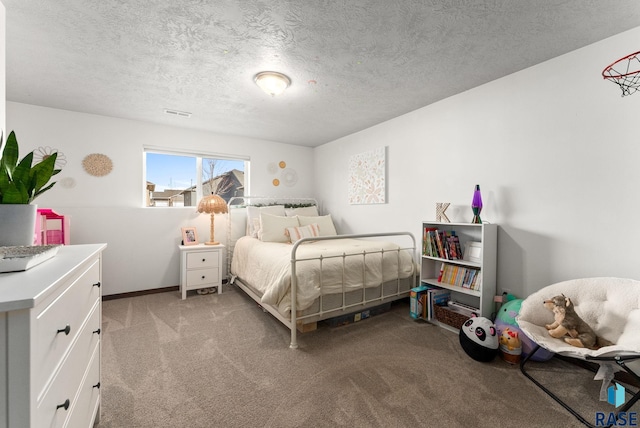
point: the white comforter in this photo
(266, 266)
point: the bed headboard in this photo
(237, 218)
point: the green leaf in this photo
(44, 189)
(43, 171)
(10, 154)
(22, 172)
(13, 195)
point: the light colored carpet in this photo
(220, 361)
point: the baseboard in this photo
(145, 292)
(140, 293)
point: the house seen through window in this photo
(181, 179)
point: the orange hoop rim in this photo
(619, 75)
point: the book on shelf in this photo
(428, 244)
(436, 296)
(444, 244)
(439, 239)
(460, 276)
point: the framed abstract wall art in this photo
(367, 173)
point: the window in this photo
(181, 179)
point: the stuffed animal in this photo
(568, 324)
(478, 338)
(510, 340)
(506, 318)
(510, 346)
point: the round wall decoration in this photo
(282, 164)
(97, 164)
(68, 182)
(289, 177)
(272, 168)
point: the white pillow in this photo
(325, 224)
(273, 227)
(253, 217)
(308, 211)
(299, 232)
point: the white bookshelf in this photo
(486, 235)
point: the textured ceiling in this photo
(353, 63)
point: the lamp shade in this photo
(212, 204)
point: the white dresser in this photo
(50, 320)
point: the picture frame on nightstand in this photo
(189, 236)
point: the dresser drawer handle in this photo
(97, 385)
(96, 331)
(202, 276)
(97, 284)
(65, 405)
(65, 330)
(204, 260)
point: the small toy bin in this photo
(51, 228)
(417, 297)
(449, 317)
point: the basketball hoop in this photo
(626, 73)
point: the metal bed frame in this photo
(349, 304)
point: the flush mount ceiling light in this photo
(272, 82)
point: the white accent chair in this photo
(611, 306)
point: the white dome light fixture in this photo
(272, 82)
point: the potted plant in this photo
(20, 183)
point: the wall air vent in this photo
(177, 113)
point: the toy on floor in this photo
(510, 346)
(508, 312)
(506, 318)
(568, 324)
(479, 339)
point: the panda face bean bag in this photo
(479, 339)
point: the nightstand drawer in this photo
(202, 277)
(203, 259)
(59, 323)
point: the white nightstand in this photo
(200, 267)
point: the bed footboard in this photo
(350, 300)
(340, 297)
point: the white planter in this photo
(17, 224)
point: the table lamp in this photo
(212, 204)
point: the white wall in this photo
(3, 71)
(142, 242)
(555, 149)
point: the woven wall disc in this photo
(97, 164)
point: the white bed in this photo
(314, 277)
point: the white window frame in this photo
(198, 155)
